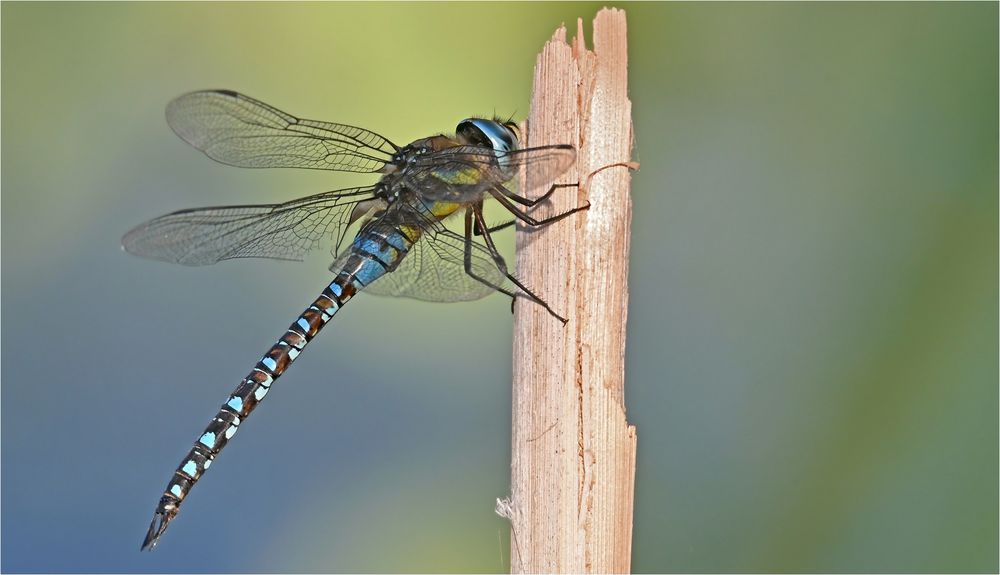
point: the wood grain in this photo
(573, 461)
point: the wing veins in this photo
(278, 231)
(237, 130)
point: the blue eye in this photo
(488, 133)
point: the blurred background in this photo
(812, 360)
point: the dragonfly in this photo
(403, 245)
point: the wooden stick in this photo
(573, 464)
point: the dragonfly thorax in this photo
(451, 169)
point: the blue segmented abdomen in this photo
(373, 253)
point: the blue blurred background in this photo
(812, 361)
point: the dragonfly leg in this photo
(495, 228)
(525, 202)
(527, 218)
(533, 202)
(477, 212)
(468, 260)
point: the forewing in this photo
(543, 164)
(278, 231)
(237, 130)
(461, 164)
(434, 270)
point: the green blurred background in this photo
(812, 361)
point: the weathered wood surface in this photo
(573, 465)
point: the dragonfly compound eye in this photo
(487, 133)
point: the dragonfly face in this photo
(402, 246)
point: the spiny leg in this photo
(479, 231)
(468, 260)
(530, 203)
(524, 216)
(533, 202)
(524, 201)
(507, 198)
(477, 210)
(501, 193)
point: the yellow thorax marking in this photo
(442, 209)
(468, 176)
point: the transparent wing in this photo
(285, 231)
(434, 270)
(462, 164)
(237, 130)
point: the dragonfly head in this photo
(500, 136)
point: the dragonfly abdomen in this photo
(243, 400)
(370, 257)
(373, 253)
(379, 247)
